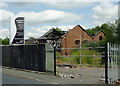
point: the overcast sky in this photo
(42, 16)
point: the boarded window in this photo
(77, 41)
(100, 38)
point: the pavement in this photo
(46, 78)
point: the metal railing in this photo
(98, 62)
(95, 55)
(113, 51)
(89, 64)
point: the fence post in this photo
(106, 64)
(80, 50)
(118, 61)
(55, 60)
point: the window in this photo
(77, 41)
(100, 38)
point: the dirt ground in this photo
(82, 71)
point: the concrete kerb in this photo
(24, 70)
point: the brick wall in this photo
(68, 41)
(97, 37)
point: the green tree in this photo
(31, 37)
(57, 32)
(109, 30)
(58, 29)
(117, 31)
(5, 41)
(93, 30)
(1, 41)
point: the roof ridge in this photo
(84, 30)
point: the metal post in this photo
(94, 59)
(118, 61)
(55, 60)
(106, 64)
(9, 30)
(108, 55)
(80, 50)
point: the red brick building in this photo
(99, 36)
(72, 38)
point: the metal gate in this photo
(113, 54)
(85, 62)
(98, 62)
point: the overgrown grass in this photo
(93, 60)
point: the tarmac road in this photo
(9, 79)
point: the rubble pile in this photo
(118, 81)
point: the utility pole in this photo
(80, 50)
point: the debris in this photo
(101, 79)
(80, 80)
(63, 75)
(118, 81)
(77, 75)
(72, 76)
(66, 67)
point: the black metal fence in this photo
(30, 57)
